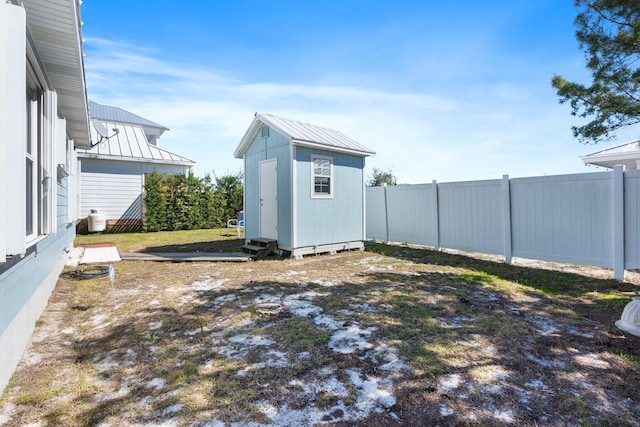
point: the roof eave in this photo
(247, 139)
(311, 144)
(82, 155)
(58, 45)
(619, 157)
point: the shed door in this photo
(269, 199)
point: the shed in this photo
(304, 186)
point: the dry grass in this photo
(388, 336)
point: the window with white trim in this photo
(40, 168)
(321, 176)
(31, 168)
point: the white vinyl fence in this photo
(587, 219)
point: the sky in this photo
(446, 91)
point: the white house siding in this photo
(116, 187)
(112, 187)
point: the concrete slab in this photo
(100, 254)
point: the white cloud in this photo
(480, 132)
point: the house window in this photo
(31, 169)
(39, 157)
(322, 177)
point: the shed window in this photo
(322, 177)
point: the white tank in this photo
(97, 221)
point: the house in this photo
(43, 117)
(627, 154)
(304, 186)
(106, 113)
(112, 172)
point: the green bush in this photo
(186, 202)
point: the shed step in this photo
(261, 241)
(254, 248)
(257, 251)
(260, 247)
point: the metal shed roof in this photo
(305, 134)
(118, 115)
(129, 143)
(54, 26)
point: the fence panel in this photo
(631, 219)
(412, 214)
(471, 217)
(587, 219)
(376, 226)
(564, 218)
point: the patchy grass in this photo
(209, 240)
(394, 335)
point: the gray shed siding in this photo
(327, 221)
(274, 146)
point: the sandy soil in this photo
(358, 338)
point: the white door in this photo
(269, 199)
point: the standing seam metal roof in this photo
(118, 115)
(627, 154)
(302, 132)
(130, 143)
(627, 147)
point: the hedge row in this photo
(186, 202)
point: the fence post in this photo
(506, 216)
(618, 222)
(436, 218)
(386, 213)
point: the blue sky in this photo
(450, 91)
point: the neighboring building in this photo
(113, 170)
(627, 154)
(304, 186)
(106, 113)
(43, 116)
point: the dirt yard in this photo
(388, 336)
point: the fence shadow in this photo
(597, 299)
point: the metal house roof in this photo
(111, 114)
(129, 143)
(304, 134)
(627, 154)
(55, 28)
